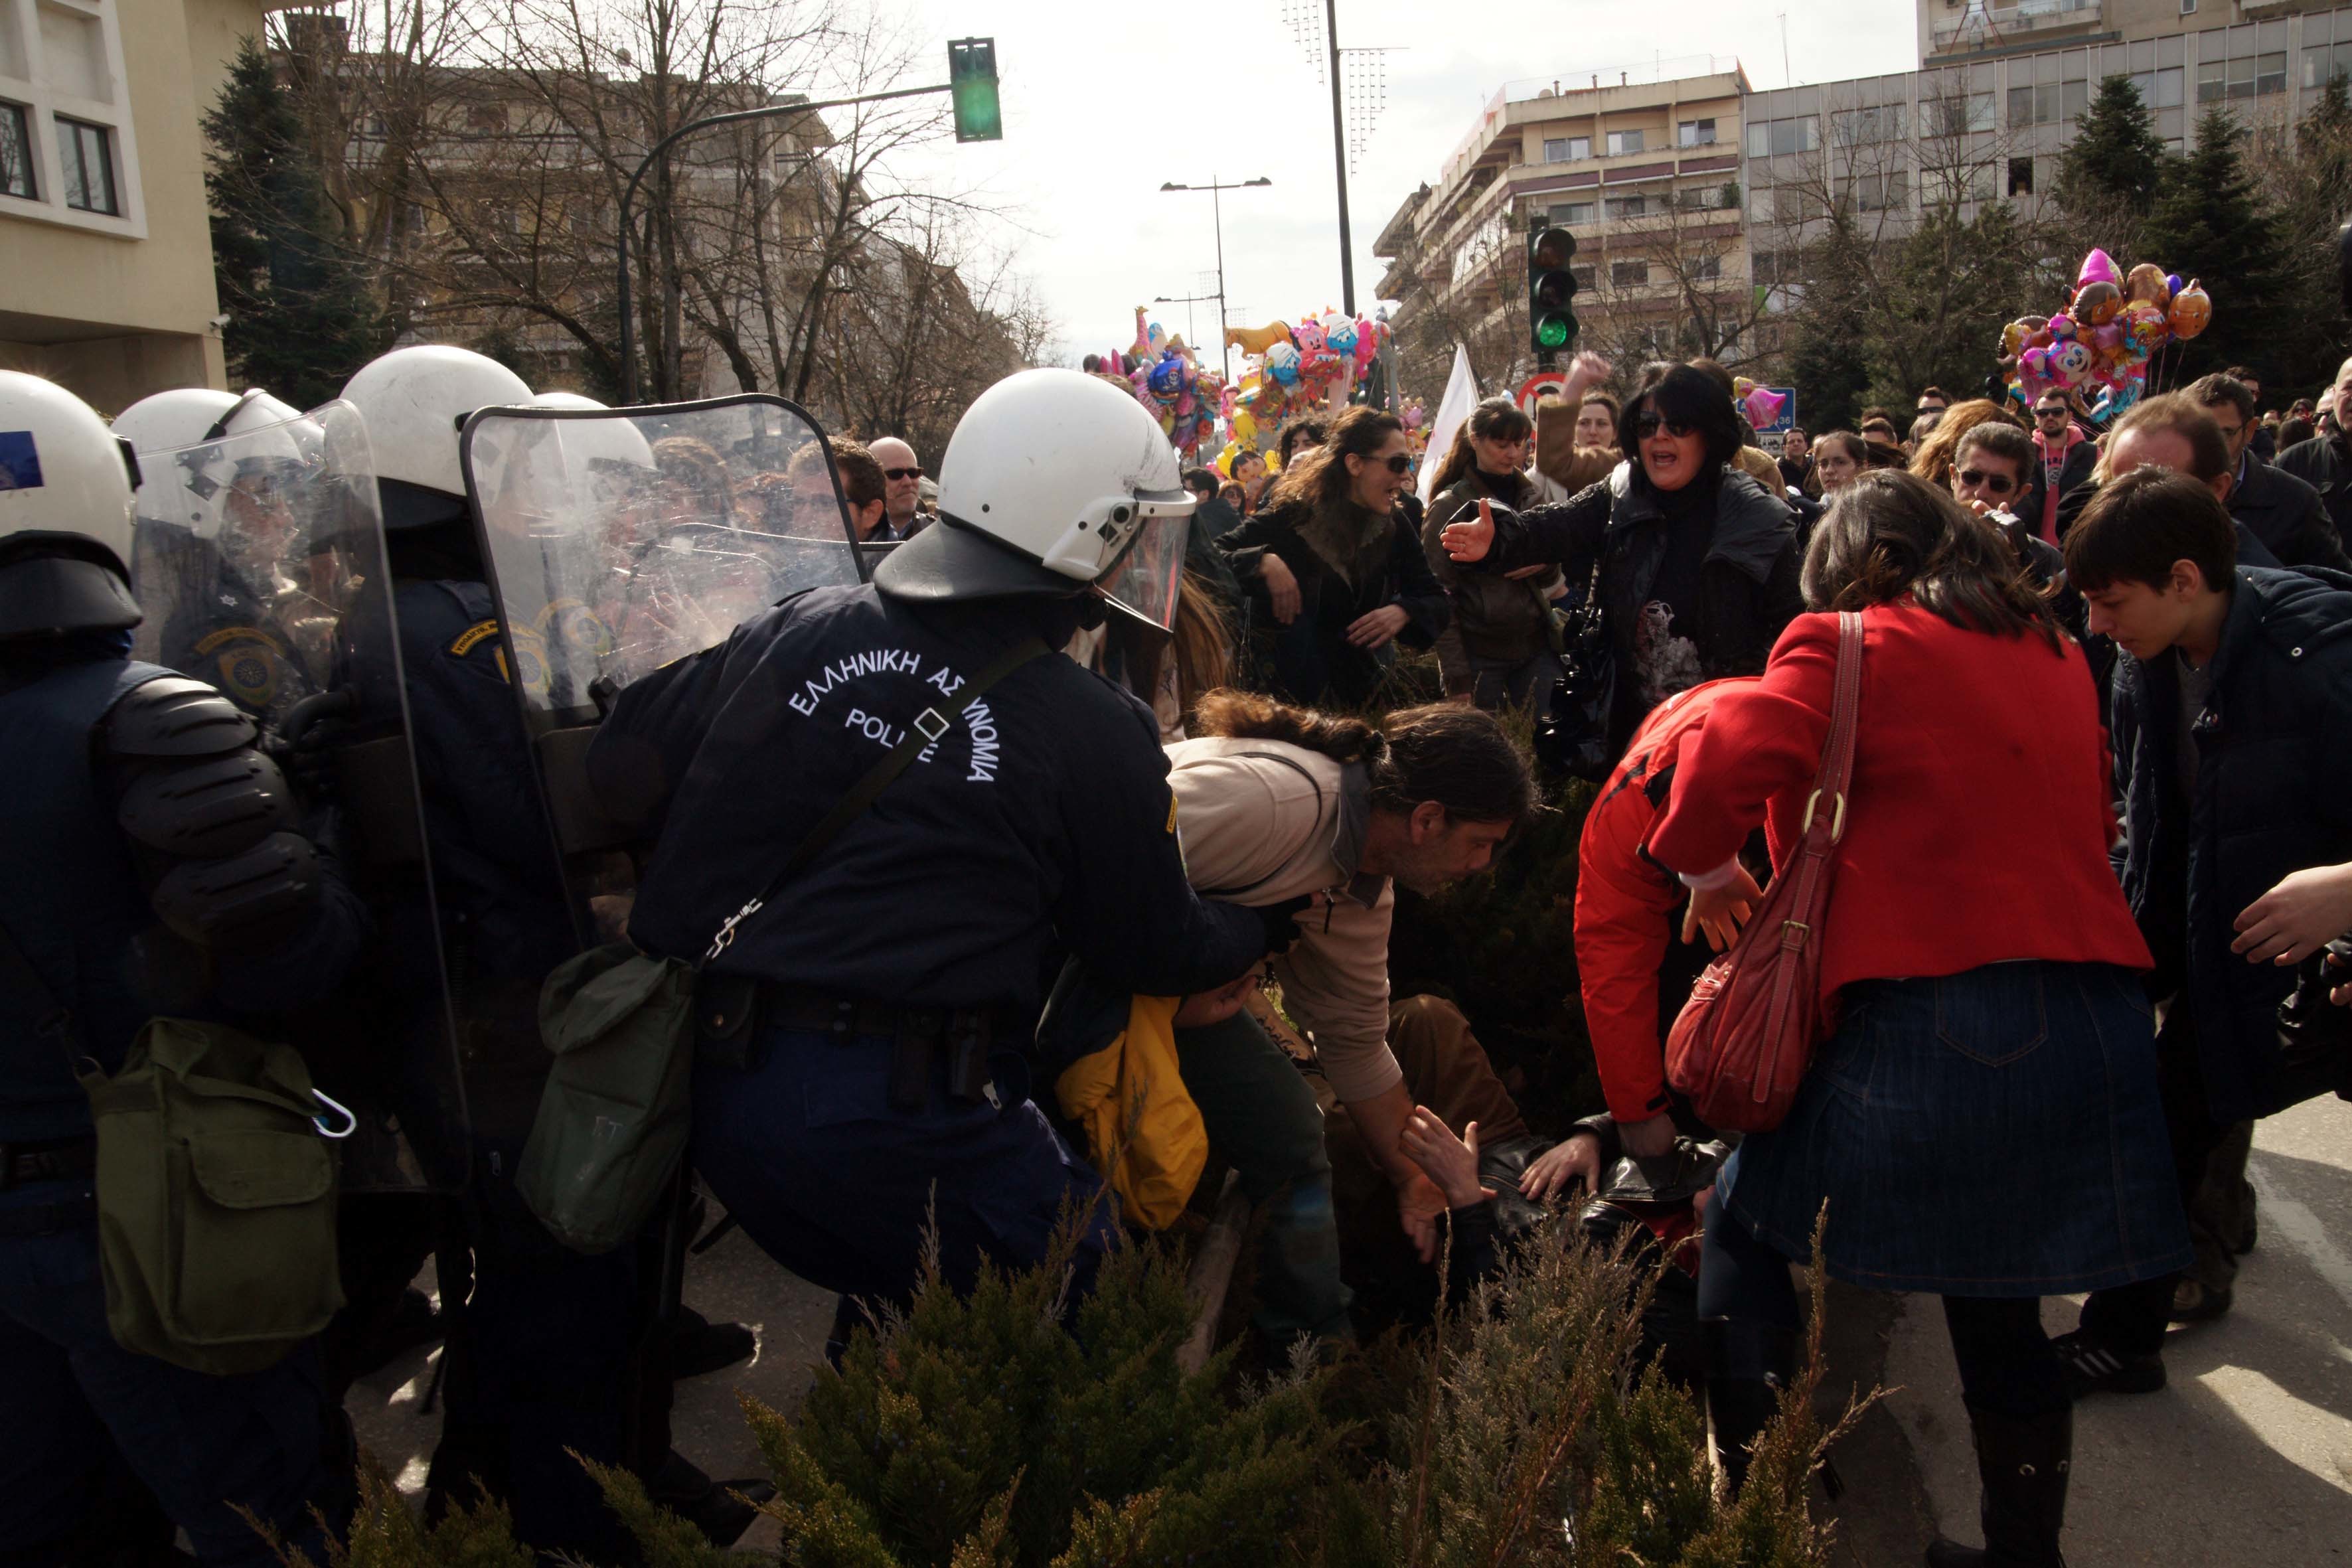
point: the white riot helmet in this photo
(64, 513)
(1054, 480)
(193, 423)
(412, 402)
(615, 446)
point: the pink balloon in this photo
(1764, 405)
(2098, 268)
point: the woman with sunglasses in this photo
(1502, 633)
(1697, 564)
(1335, 573)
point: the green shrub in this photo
(978, 1432)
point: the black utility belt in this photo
(730, 1011)
(54, 1159)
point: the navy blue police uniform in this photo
(544, 1353)
(881, 1078)
(79, 721)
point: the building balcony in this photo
(1975, 25)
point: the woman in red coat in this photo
(1984, 1120)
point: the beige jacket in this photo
(1261, 828)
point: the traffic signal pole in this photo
(771, 111)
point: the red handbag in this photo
(1743, 1041)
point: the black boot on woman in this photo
(2022, 1464)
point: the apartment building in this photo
(106, 284)
(1952, 30)
(1642, 165)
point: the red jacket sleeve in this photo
(1624, 911)
(1759, 742)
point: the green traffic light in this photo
(1552, 332)
(971, 79)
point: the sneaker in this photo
(2091, 1367)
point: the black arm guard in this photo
(206, 815)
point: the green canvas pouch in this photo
(612, 1120)
(216, 1198)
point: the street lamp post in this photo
(1217, 218)
(1188, 301)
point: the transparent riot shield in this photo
(259, 561)
(622, 539)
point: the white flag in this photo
(1461, 397)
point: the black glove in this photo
(1281, 921)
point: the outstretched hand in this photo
(1451, 1162)
(1467, 541)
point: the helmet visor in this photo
(1144, 581)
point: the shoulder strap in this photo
(1837, 754)
(928, 727)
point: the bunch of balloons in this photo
(1163, 373)
(2112, 325)
(1304, 369)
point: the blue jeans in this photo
(837, 1184)
(200, 1444)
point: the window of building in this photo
(86, 167)
(1623, 142)
(1694, 133)
(1567, 149)
(1764, 267)
(1889, 191)
(1770, 137)
(2162, 90)
(1958, 113)
(1571, 215)
(1861, 127)
(1583, 273)
(1628, 206)
(2021, 177)
(1789, 205)
(66, 143)
(2240, 76)
(16, 153)
(1628, 274)
(1705, 268)
(2324, 62)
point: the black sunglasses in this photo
(2055, 412)
(1399, 462)
(1993, 484)
(902, 473)
(1649, 425)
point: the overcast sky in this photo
(1104, 99)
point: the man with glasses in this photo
(2067, 455)
(2283, 511)
(902, 488)
(1990, 470)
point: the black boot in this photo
(1749, 1364)
(2022, 1463)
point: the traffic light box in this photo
(1551, 284)
(971, 81)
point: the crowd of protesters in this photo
(2094, 835)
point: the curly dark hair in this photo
(1456, 755)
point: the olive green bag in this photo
(613, 1120)
(216, 1198)
(216, 1188)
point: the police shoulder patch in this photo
(1171, 813)
(473, 636)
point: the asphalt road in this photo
(2245, 1458)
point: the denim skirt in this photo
(1995, 1132)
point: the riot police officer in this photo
(150, 863)
(547, 1356)
(894, 981)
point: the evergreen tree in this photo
(2210, 224)
(301, 316)
(1829, 349)
(2311, 191)
(2115, 156)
